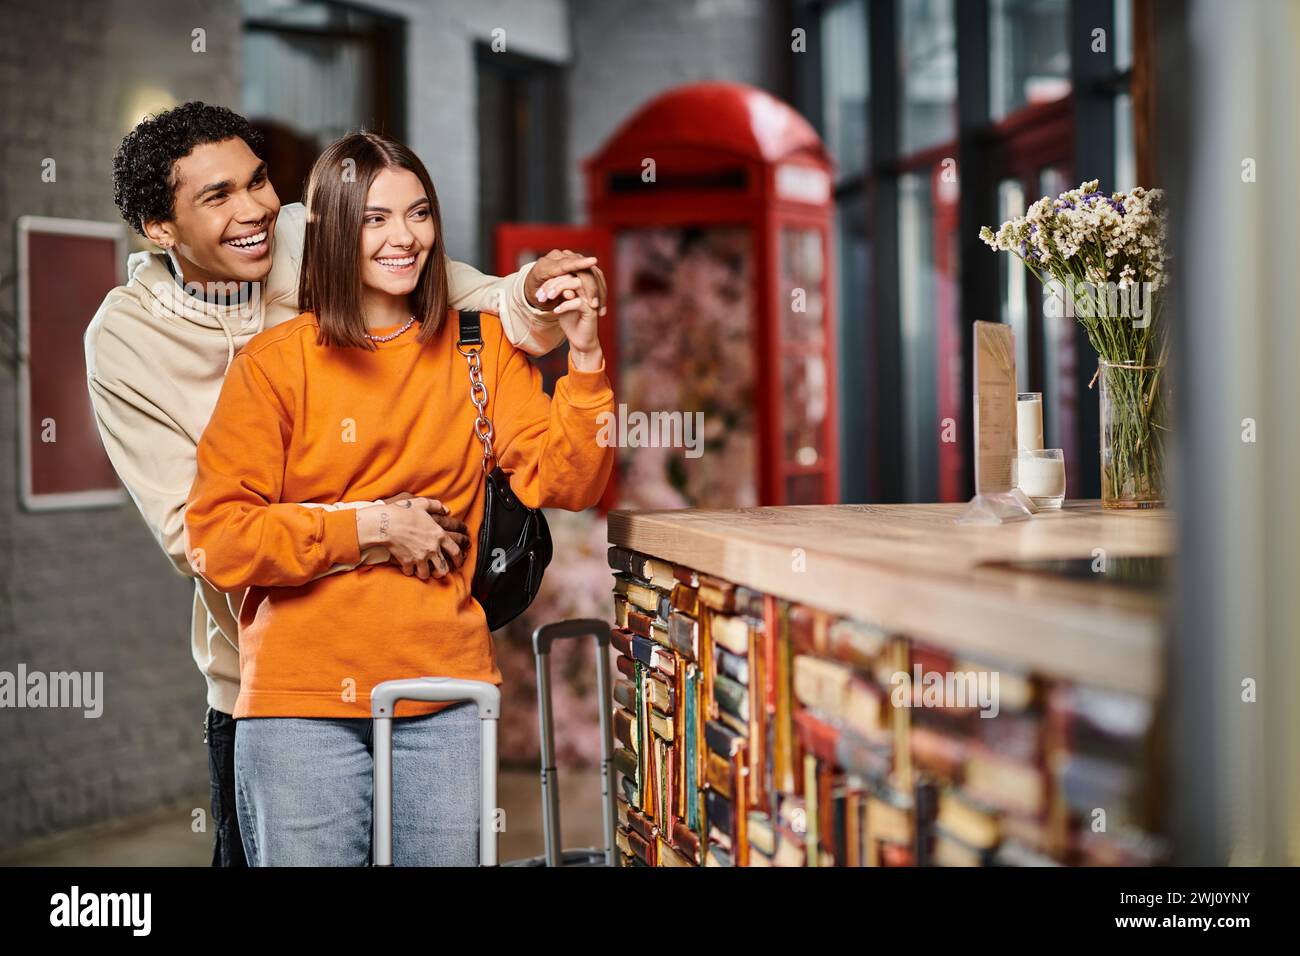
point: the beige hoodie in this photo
(156, 358)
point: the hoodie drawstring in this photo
(230, 342)
(175, 268)
(230, 338)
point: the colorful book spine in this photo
(757, 731)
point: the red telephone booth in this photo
(716, 198)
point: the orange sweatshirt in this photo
(299, 422)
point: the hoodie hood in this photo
(151, 278)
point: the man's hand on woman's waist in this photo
(420, 534)
(377, 549)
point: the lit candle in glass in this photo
(1029, 420)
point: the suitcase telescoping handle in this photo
(543, 637)
(383, 700)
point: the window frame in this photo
(1033, 136)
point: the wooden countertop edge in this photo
(1116, 644)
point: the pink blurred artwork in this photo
(686, 344)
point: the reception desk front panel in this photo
(875, 686)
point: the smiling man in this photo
(192, 180)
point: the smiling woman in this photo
(396, 235)
(376, 188)
(333, 405)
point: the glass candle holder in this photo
(1029, 420)
(1040, 474)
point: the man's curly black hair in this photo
(144, 179)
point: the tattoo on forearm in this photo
(383, 525)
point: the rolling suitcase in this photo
(487, 697)
(554, 855)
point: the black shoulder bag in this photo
(514, 543)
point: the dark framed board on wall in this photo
(65, 268)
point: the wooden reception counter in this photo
(910, 568)
(799, 686)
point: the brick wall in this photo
(89, 589)
(442, 97)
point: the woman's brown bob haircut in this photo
(330, 281)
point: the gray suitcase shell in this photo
(487, 698)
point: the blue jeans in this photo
(304, 788)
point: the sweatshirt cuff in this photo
(588, 388)
(339, 542)
(521, 278)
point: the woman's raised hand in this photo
(580, 325)
(420, 534)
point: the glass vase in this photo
(1134, 426)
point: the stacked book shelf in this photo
(756, 730)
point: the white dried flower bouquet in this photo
(1102, 259)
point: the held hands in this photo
(565, 277)
(419, 533)
(578, 285)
